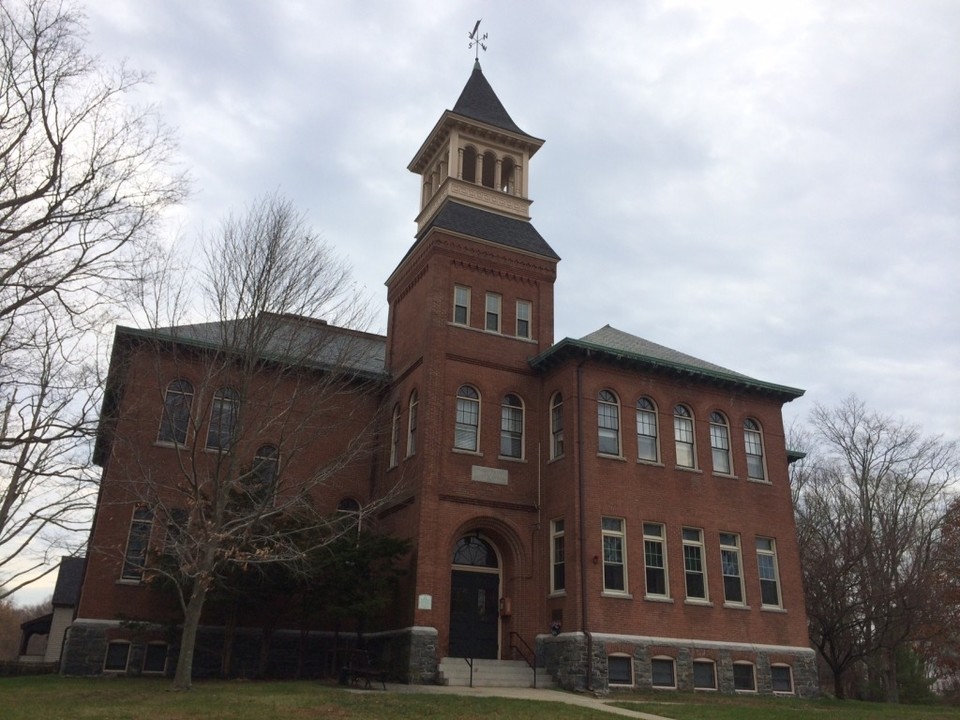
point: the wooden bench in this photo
(360, 669)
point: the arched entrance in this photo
(474, 598)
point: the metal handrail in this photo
(532, 663)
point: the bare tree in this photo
(84, 176)
(871, 510)
(264, 407)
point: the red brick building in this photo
(620, 509)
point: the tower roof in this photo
(479, 102)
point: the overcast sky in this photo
(772, 187)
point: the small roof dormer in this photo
(475, 154)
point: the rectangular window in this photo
(614, 555)
(704, 675)
(138, 539)
(781, 679)
(556, 427)
(769, 576)
(558, 581)
(523, 319)
(493, 312)
(461, 305)
(155, 658)
(662, 673)
(620, 670)
(730, 565)
(118, 653)
(693, 569)
(655, 559)
(743, 678)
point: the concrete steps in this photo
(492, 673)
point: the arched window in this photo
(511, 427)
(348, 505)
(753, 440)
(175, 420)
(720, 443)
(469, 169)
(412, 425)
(475, 551)
(263, 481)
(683, 436)
(466, 436)
(608, 423)
(556, 426)
(489, 169)
(223, 419)
(506, 175)
(395, 436)
(647, 446)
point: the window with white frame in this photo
(494, 303)
(655, 560)
(608, 423)
(556, 426)
(117, 657)
(694, 570)
(138, 539)
(558, 574)
(614, 555)
(647, 446)
(720, 443)
(730, 565)
(223, 419)
(524, 311)
(663, 673)
(155, 658)
(395, 436)
(461, 305)
(704, 675)
(768, 571)
(412, 425)
(175, 421)
(744, 678)
(511, 427)
(619, 670)
(781, 679)
(468, 419)
(261, 487)
(753, 441)
(683, 436)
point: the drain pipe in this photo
(583, 521)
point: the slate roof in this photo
(486, 225)
(479, 102)
(622, 347)
(66, 593)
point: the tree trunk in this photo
(839, 689)
(891, 688)
(183, 678)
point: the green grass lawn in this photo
(40, 698)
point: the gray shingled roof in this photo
(619, 346)
(486, 225)
(478, 101)
(305, 341)
(66, 593)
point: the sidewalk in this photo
(539, 694)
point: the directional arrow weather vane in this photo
(477, 41)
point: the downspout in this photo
(583, 521)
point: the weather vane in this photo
(477, 41)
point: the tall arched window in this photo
(466, 436)
(647, 446)
(608, 423)
(683, 436)
(720, 443)
(395, 436)
(489, 169)
(412, 425)
(266, 464)
(506, 175)
(753, 440)
(175, 421)
(556, 426)
(511, 427)
(223, 419)
(469, 168)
